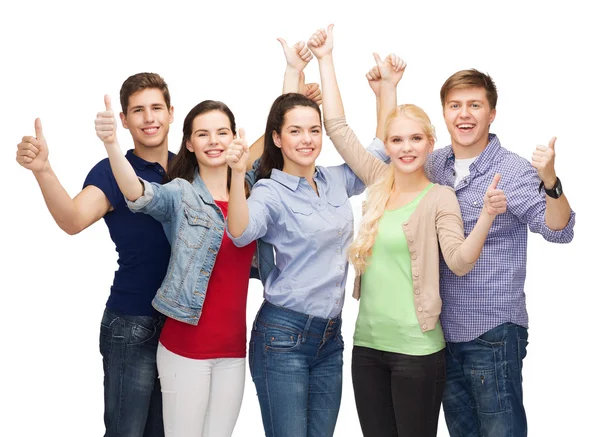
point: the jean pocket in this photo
(495, 337)
(277, 340)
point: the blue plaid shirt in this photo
(493, 292)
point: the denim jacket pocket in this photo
(194, 228)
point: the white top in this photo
(461, 168)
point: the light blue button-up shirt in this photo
(310, 232)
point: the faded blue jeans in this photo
(483, 396)
(132, 397)
(296, 365)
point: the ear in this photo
(492, 116)
(188, 145)
(277, 139)
(123, 118)
(171, 114)
(430, 148)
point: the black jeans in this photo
(397, 395)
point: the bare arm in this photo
(237, 215)
(390, 70)
(71, 215)
(106, 129)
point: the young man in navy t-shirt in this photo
(130, 326)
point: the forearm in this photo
(291, 80)
(558, 212)
(332, 99)
(470, 249)
(237, 213)
(387, 102)
(60, 205)
(128, 182)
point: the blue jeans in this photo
(296, 365)
(484, 384)
(132, 397)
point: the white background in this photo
(59, 59)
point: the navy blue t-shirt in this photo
(140, 242)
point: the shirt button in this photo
(474, 203)
(339, 232)
(337, 302)
(420, 309)
(341, 267)
(416, 274)
(414, 256)
(417, 291)
(424, 326)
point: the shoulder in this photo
(440, 154)
(101, 168)
(443, 198)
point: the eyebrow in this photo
(162, 105)
(293, 126)
(468, 101)
(206, 130)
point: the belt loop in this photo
(306, 328)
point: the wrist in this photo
(328, 57)
(550, 182)
(45, 170)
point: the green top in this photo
(387, 319)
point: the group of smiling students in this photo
(225, 213)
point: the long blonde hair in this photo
(379, 193)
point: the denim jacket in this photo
(194, 226)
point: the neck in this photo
(158, 154)
(466, 152)
(300, 171)
(215, 179)
(410, 182)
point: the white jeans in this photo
(201, 398)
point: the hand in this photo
(297, 56)
(32, 152)
(494, 200)
(321, 42)
(374, 78)
(391, 68)
(313, 92)
(543, 161)
(106, 125)
(238, 152)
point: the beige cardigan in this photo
(436, 220)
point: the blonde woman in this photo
(398, 368)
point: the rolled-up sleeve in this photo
(263, 212)
(529, 205)
(158, 201)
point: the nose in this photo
(148, 116)
(464, 111)
(213, 138)
(306, 137)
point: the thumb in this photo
(39, 133)
(551, 143)
(283, 43)
(377, 59)
(242, 133)
(495, 181)
(107, 102)
(330, 30)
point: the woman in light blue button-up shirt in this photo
(304, 211)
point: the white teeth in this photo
(214, 152)
(151, 130)
(465, 126)
(304, 150)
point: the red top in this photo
(221, 331)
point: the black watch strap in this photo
(554, 192)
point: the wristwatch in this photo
(554, 192)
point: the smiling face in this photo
(468, 117)
(408, 144)
(148, 118)
(300, 140)
(211, 134)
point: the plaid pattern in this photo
(493, 292)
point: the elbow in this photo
(71, 228)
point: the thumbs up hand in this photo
(321, 42)
(391, 69)
(543, 161)
(106, 125)
(494, 201)
(32, 152)
(297, 56)
(238, 152)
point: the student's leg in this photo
(185, 387)
(371, 379)
(484, 393)
(417, 387)
(226, 393)
(325, 382)
(128, 347)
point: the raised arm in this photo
(461, 253)
(72, 215)
(106, 129)
(237, 213)
(558, 210)
(391, 70)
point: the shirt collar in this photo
(290, 181)
(485, 159)
(140, 163)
